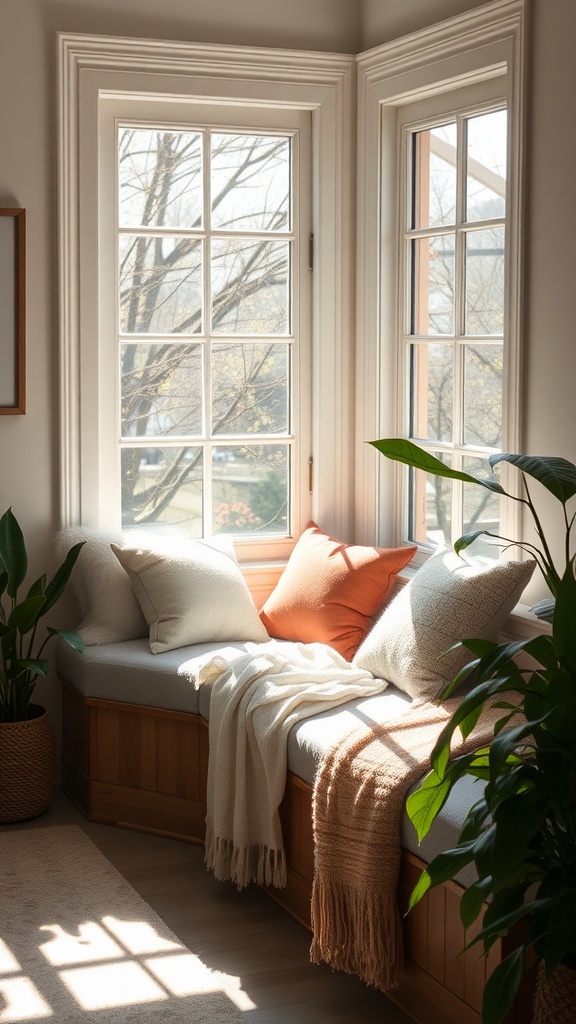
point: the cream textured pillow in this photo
(196, 596)
(109, 611)
(449, 599)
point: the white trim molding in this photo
(485, 43)
(93, 67)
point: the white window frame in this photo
(93, 67)
(486, 43)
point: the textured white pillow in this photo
(449, 599)
(108, 609)
(195, 596)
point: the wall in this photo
(549, 334)
(29, 444)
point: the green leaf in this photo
(400, 450)
(39, 666)
(502, 986)
(473, 899)
(425, 802)
(468, 538)
(60, 580)
(441, 869)
(564, 634)
(12, 552)
(555, 474)
(38, 587)
(73, 639)
(25, 615)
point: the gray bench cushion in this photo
(127, 672)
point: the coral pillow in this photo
(329, 591)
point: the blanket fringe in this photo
(246, 864)
(354, 933)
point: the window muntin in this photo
(454, 276)
(206, 268)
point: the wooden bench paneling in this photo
(146, 769)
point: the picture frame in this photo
(12, 311)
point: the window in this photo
(207, 265)
(440, 272)
(453, 277)
(203, 361)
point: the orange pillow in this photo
(329, 591)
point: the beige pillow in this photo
(449, 599)
(107, 606)
(195, 596)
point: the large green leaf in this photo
(73, 639)
(25, 615)
(502, 986)
(441, 869)
(59, 581)
(425, 803)
(400, 450)
(12, 552)
(39, 666)
(473, 899)
(564, 633)
(555, 474)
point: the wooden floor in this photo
(262, 951)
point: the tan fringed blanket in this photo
(358, 802)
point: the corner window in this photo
(454, 271)
(440, 273)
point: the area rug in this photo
(79, 945)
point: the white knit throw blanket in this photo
(256, 698)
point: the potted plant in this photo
(521, 833)
(26, 739)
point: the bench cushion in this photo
(128, 673)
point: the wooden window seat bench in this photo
(135, 755)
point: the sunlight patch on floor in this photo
(21, 1000)
(108, 964)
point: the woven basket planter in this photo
(555, 1000)
(26, 766)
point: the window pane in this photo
(250, 388)
(433, 285)
(251, 490)
(432, 391)
(485, 281)
(434, 199)
(162, 486)
(481, 508)
(483, 395)
(250, 182)
(161, 390)
(160, 285)
(250, 286)
(431, 506)
(486, 166)
(160, 178)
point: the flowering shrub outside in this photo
(235, 516)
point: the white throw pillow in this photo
(195, 596)
(449, 599)
(107, 606)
